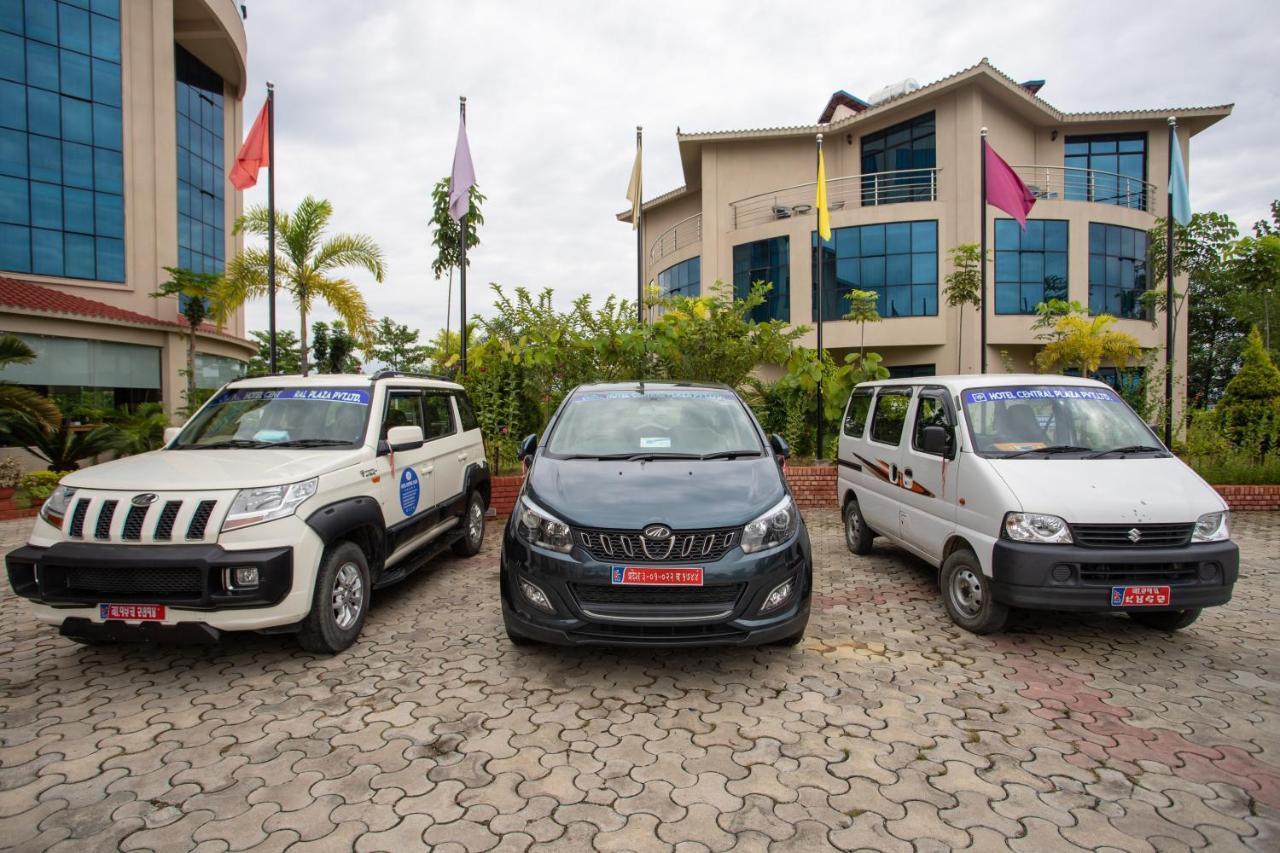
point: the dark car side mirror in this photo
(936, 439)
(780, 446)
(527, 447)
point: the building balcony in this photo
(684, 233)
(870, 190)
(1062, 183)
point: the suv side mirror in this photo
(779, 445)
(405, 438)
(937, 439)
(527, 447)
(171, 433)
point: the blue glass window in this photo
(1031, 265)
(1117, 270)
(897, 260)
(60, 149)
(682, 279)
(201, 180)
(1107, 168)
(903, 149)
(769, 261)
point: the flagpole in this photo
(271, 229)
(982, 256)
(640, 228)
(462, 272)
(1169, 304)
(821, 360)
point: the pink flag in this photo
(1006, 190)
(464, 176)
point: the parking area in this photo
(888, 728)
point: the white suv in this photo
(278, 508)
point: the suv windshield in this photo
(279, 417)
(660, 422)
(1040, 421)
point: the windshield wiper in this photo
(313, 442)
(1133, 448)
(645, 457)
(729, 454)
(229, 444)
(1053, 448)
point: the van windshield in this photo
(251, 418)
(657, 423)
(1040, 421)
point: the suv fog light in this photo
(241, 577)
(777, 597)
(1208, 571)
(536, 596)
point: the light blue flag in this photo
(1178, 184)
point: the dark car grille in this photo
(703, 546)
(1121, 535)
(149, 582)
(724, 594)
(658, 635)
(1107, 574)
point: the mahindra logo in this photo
(1134, 535)
(657, 531)
(657, 542)
(143, 500)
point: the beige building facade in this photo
(119, 120)
(903, 178)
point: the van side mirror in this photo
(171, 434)
(780, 446)
(937, 439)
(527, 447)
(405, 438)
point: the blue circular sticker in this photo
(409, 489)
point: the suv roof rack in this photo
(387, 373)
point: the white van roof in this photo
(959, 382)
(341, 380)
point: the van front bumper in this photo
(1070, 577)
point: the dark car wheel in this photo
(340, 603)
(472, 527)
(966, 593)
(1165, 620)
(857, 535)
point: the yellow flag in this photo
(824, 215)
(634, 191)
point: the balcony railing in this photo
(1074, 184)
(683, 233)
(867, 190)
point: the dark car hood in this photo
(680, 493)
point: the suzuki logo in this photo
(1134, 535)
(143, 500)
(657, 542)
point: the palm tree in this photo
(19, 401)
(200, 299)
(304, 262)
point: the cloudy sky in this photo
(367, 101)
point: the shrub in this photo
(37, 485)
(1249, 412)
(10, 472)
(1215, 458)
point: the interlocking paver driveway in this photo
(888, 728)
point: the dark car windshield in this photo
(249, 418)
(1047, 421)
(654, 423)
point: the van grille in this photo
(703, 546)
(1132, 535)
(1107, 574)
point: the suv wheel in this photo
(340, 603)
(966, 592)
(1165, 620)
(472, 527)
(857, 536)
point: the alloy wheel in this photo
(348, 595)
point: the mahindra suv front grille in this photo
(115, 517)
(702, 546)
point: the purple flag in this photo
(1006, 190)
(464, 176)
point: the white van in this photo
(1032, 491)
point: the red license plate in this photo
(651, 576)
(132, 612)
(1140, 596)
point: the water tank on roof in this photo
(895, 90)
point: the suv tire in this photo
(468, 545)
(857, 535)
(340, 603)
(1165, 620)
(967, 595)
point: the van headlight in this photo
(773, 528)
(1037, 527)
(1212, 527)
(55, 507)
(267, 503)
(541, 528)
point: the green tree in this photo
(288, 357)
(862, 310)
(16, 401)
(964, 287)
(444, 350)
(397, 347)
(445, 232)
(1248, 414)
(1256, 264)
(1075, 340)
(333, 347)
(200, 298)
(63, 447)
(306, 261)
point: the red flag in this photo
(1006, 190)
(254, 154)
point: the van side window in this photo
(931, 410)
(891, 415)
(855, 419)
(439, 416)
(404, 408)
(466, 412)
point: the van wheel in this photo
(857, 536)
(1164, 620)
(340, 603)
(472, 527)
(966, 593)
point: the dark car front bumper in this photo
(1070, 577)
(591, 610)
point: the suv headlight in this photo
(1037, 527)
(773, 528)
(539, 527)
(267, 503)
(1212, 527)
(55, 507)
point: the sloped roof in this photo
(841, 98)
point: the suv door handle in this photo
(906, 472)
(462, 457)
(428, 470)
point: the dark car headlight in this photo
(772, 528)
(539, 527)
